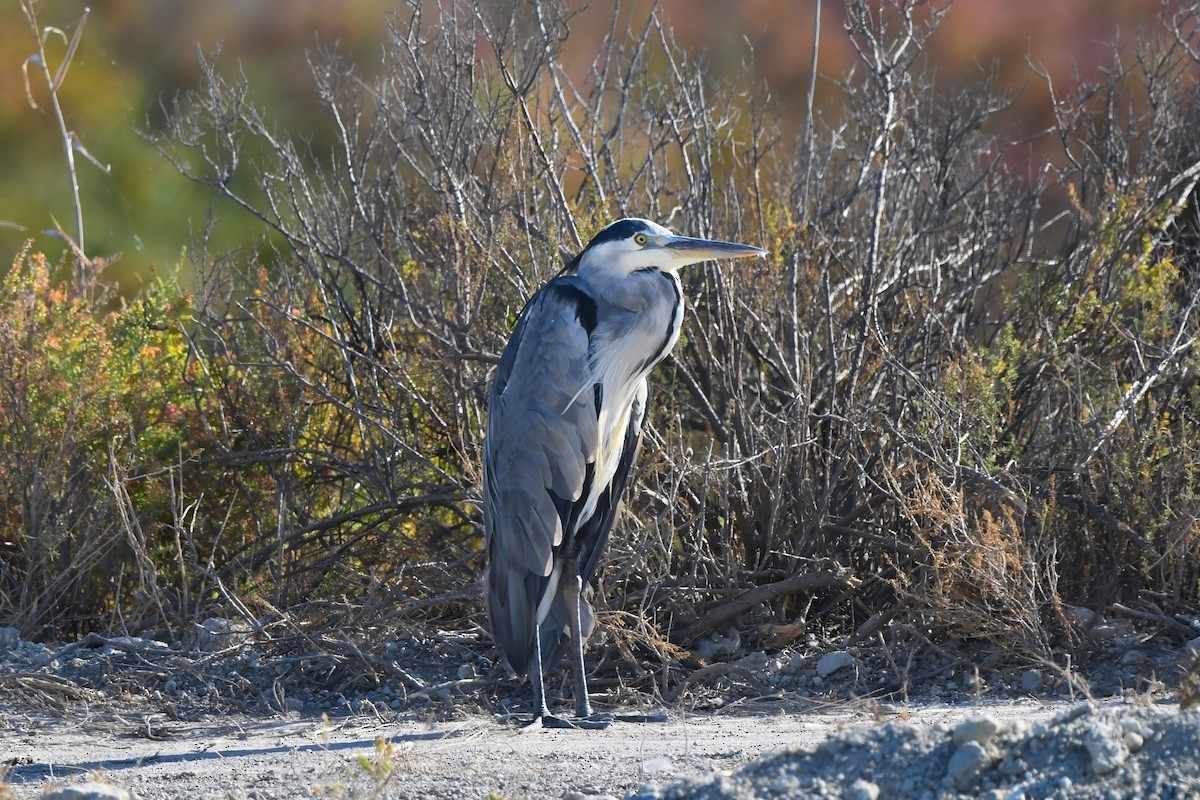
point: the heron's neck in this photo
(633, 291)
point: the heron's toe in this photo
(592, 722)
(641, 717)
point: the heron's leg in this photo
(535, 677)
(542, 718)
(583, 705)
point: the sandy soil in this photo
(290, 756)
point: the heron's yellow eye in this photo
(641, 238)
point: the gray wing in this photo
(539, 454)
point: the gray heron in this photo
(564, 423)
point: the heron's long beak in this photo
(708, 249)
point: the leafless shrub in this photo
(960, 390)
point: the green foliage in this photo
(91, 400)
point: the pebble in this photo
(1031, 681)
(832, 662)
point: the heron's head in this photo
(628, 245)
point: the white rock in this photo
(1135, 725)
(1105, 745)
(89, 791)
(862, 790)
(980, 729)
(1075, 712)
(659, 764)
(648, 791)
(967, 764)
(832, 662)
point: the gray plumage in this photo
(564, 423)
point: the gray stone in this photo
(8, 638)
(1031, 681)
(216, 633)
(714, 645)
(755, 662)
(1083, 618)
(832, 662)
(1134, 658)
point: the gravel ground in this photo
(227, 717)
(1088, 751)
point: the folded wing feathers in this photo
(541, 436)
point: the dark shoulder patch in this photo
(585, 305)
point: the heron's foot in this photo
(592, 722)
(641, 717)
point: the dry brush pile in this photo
(958, 396)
